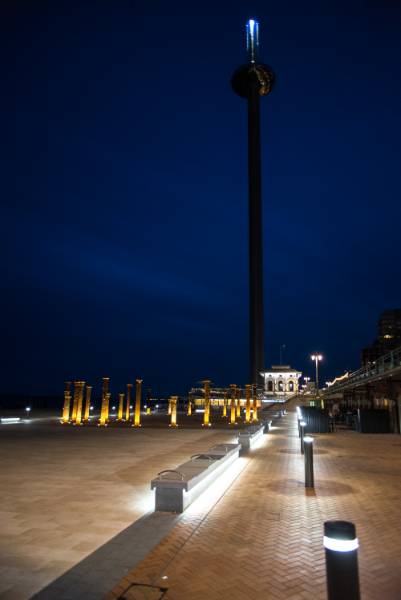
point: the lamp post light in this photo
(28, 410)
(317, 358)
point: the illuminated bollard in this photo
(225, 404)
(248, 403)
(173, 419)
(206, 414)
(148, 410)
(87, 402)
(67, 403)
(341, 550)
(233, 412)
(128, 405)
(79, 385)
(308, 455)
(255, 404)
(137, 418)
(120, 407)
(239, 402)
(104, 410)
(302, 426)
(189, 407)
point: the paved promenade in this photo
(68, 493)
(262, 539)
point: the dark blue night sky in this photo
(124, 219)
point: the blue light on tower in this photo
(252, 40)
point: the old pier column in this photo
(138, 396)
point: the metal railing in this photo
(385, 363)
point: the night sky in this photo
(124, 196)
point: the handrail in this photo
(384, 363)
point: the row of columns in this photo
(73, 405)
(73, 411)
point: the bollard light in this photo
(28, 410)
(308, 454)
(341, 550)
(302, 426)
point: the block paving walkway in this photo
(262, 539)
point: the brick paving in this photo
(262, 539)
(66, 491)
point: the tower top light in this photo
(252, 40)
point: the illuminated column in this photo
(137, 419)
(75, 402)
(248, 403)
(189, 409)
(206, 414)
(225, 404)
(67, 403)
(87, 402)
(233, 389)
(120, 407)
(79, 385)
(255, 403)
(238, 402)
(128, 407)
(173, 402)
(104, 411)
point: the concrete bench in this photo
(251, 435)
(178, 488)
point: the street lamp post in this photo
(251, 81)
(317, 358)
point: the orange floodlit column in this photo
(173, 419)
(255, 404)
(87, 402)
(238, 402)
(233, 388)
(248, 403)
(225, 404)
(128, 406)
(104, 411)
(67, 403)
(206, 414)
(75, 403)
(120, 407)
(137, 418)
(79, 386)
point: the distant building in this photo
(281, 380)
(389, 338)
